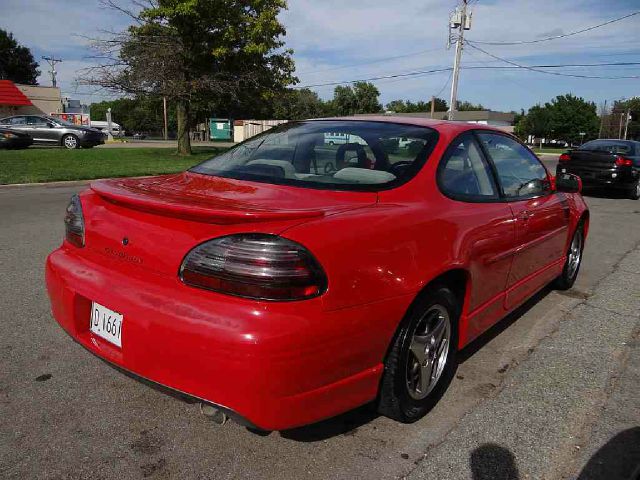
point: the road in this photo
(66, 414)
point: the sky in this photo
(339, 40)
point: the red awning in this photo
(11, 95)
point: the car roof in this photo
(448, 126)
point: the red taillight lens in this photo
(624, 162)
(74, 222)
(565, 157)
(260, 266)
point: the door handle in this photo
(524, 215)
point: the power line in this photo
(379, 60)
(536, 69)
(555, 37)
(373, 79)
(513, 65)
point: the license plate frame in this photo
(106, 324)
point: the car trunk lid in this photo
(153, 222)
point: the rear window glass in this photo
(608, 147)
(337, 154)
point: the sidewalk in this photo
(570, 410)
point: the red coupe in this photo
(317, 267)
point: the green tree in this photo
(344, 101)
(536, 122)
(465, 106)
(401, 106)
(202, 55)
(361, 98)
(571, 116)
(366, 98)
(298, 105)
(16, 62)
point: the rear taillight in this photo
(260, 266)
(565, 157)
(74, 222)
(623, 162)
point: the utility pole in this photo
(621, 123)
(603, 113)
(433, 105)
(460, 20)
(626, 123)
(52, 63)
(166, 127)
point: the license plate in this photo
(106, 324)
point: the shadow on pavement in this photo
(618, 459)
(493, 462)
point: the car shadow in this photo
(618, 459)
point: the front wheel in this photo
(574, 259)
(423, 357)
(70, 142)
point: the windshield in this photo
(337, 154)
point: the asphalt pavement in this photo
(549, 392)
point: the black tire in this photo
(634, 192)
(569, 275)
(70, 142)
(394, 399)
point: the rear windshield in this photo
(608, 146)
(344, 155)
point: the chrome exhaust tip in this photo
(217, 415)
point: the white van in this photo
(101, 125)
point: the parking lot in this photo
(568, 356)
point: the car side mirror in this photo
(568, 183)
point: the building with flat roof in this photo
(17, 99)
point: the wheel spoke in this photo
(418, 347)
(426, 376)
(439, 329)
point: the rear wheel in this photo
(70, 142)
(634, 192)
(574, 259)
(423, 357)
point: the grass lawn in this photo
(55, 164)
(549, 150)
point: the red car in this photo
(290, 279)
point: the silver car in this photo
(47, 130)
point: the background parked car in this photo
(613, 164)
(47, 130)
(10, 139)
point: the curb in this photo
(66, 183)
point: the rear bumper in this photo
(276, 365)
(613, 178)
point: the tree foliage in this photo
(362, 97)
(140, 114)
(402, 106)
(203, 55)
(298, 105)
(465, 106)
(16, 62)
(563, 118)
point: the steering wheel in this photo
(398, 168)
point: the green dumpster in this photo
(220, 129)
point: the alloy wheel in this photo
(575, 254)
(70, 142)
(428, 352)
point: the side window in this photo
(36, 121)
(520, 172)
(18, 121)
(464, 174)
